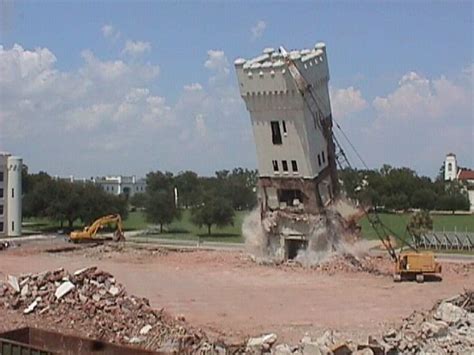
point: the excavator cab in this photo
(417, 265)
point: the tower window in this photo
(284, 164)
(275, 165)
(13, 193)
(276, 134)
(283, 125)
(450, 167)
(323, 157)
(1, 176)
(294, 166)
(1, 210)
(13, 226)
(319, 160)
(1, 226)
(1, 193)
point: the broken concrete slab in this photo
(262, 343)
(114, 291)
(64, 289)
(146, 329)
(449, 313)
(32, 306)
(13, 282)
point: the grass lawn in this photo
(398, 222)
(184, 229)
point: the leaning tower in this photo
(287, 96)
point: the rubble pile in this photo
(350, 263)
(447, 329)
(90, 300)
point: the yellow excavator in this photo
(89, 233)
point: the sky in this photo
(98, 88)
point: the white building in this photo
(296, 159)
(128, 185)
(10, 195)
(452, 172)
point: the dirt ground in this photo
(228, 295)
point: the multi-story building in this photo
(10, 195)
(287, 96)
(115, 185)
(128, 185)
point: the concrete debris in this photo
(447, 329)
(90, 300)
(146, 329)
(13, 282)
(261, 344)
(84, 302)
(64, 289)
(32, 306)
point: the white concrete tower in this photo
(14, 194)
(450, 167)
(296, 159)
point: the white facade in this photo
(10, 195)
(450, 167)
(452, 172)
(117, 185)
(289, 141)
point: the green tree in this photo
(138, 200)
(419, 223)
(424, 199)
(189, 189)
(215, 210)
(160, 208)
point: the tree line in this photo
(211, 200)
(66, 202)
(393, 188)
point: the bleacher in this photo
(445, 240)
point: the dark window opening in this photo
(1, 193)
(293, 246)
(283, 124)
(450, 167)
(1, 210)
(276, 134)
(275, 165)
(1, 226)
(294, 166)
(13, 193)
(324, 157)
(284, 164)
(1, 176)
(319, 160)
(289, 196)
(13, 226)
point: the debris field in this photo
(222, 302)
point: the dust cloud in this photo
(329, 234)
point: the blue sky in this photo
(401, 81)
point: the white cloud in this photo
(201, 125)
(110, 32)
(417, 97)
(136, 48)
(218, 63)
(346, 102)
(103, 117)
(193, 87)
(258, 30)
